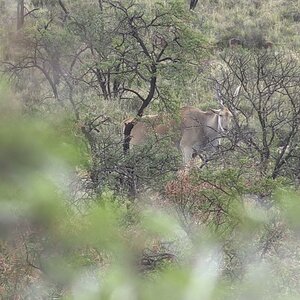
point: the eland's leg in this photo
(187, 153)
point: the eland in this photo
(193, 132)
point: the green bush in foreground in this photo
(49, 249)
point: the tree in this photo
(268, 109)
(116, 52)
(193, 4)
(20, 14)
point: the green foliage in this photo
(81, 220)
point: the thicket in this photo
(84, 219)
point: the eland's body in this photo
(193, 132)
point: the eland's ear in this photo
(216, 111)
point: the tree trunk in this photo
(193, 4)
(20, 14)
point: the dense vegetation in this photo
(85, 217)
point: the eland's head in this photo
(224, 118)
